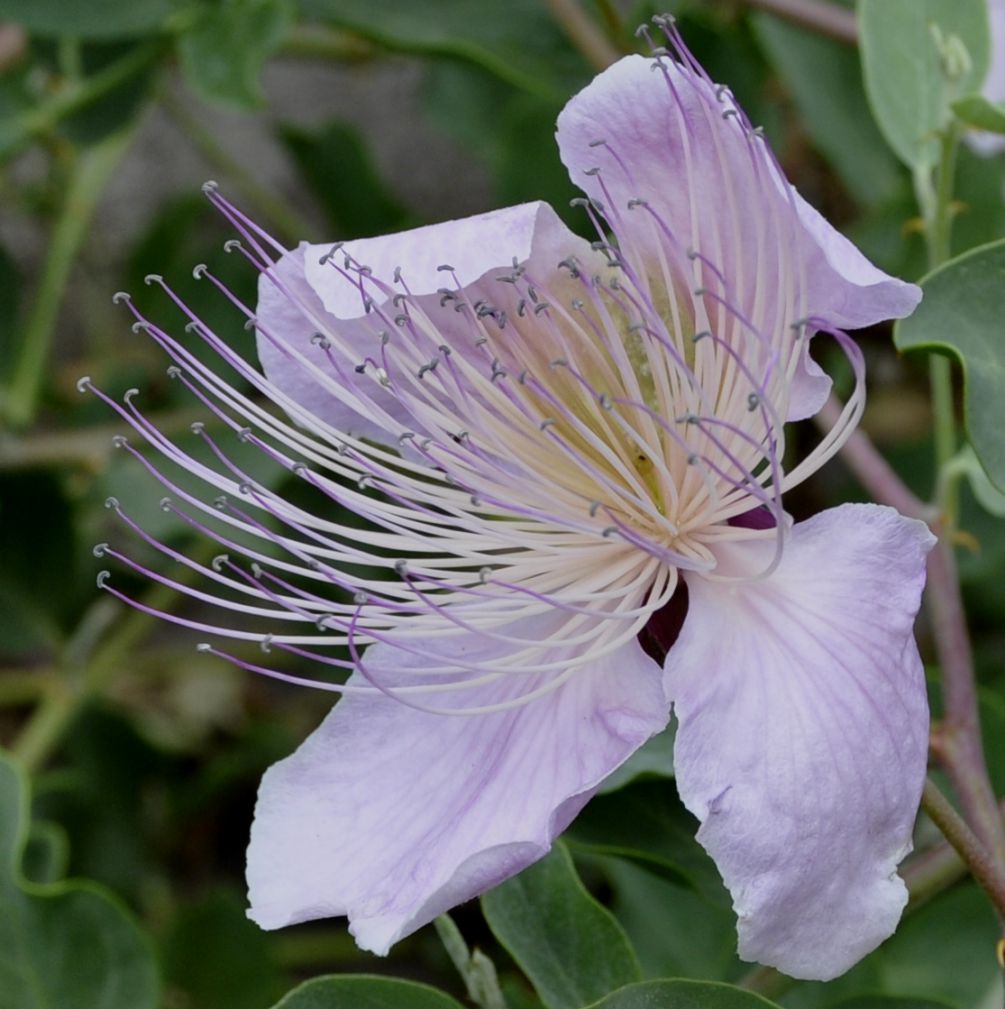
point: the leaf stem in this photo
(584, 34)
(89, 176)
(985, 869)
(824, 18)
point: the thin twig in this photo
(584, 33)
(822, 17)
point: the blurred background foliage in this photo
(334, 119)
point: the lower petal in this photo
(803, 730)
(392, 815)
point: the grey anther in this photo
(153, 278)
(245, 487)
(112, 503)
(597, 143)
(231, 244)
(398, 300)
(140, 326)
(360, 598)
(594, 508)
(693, 458)
(199, 270)
(700, 292)
(166, 504)
(121, 296)
(320, 341)
(445, 268)
(128, 395)
(522, 377)
(599, 246)
(100, 549)
(424, 444)
(605, 401)
(609, 532)
(322, 622)
(256, 571)
(360, 368)
(204, 647)
(546, 423)
(312, 563)
(664, 21)
(197, 427)
(103, 577)
(174, 371)
(385, 337)
(219, 562)
(559, 362)
(542, 307)
(657, 52)
(401, 567)
(483, 574)
(757, 131)
(365, 271)
(637, 201)
(729, 112)
(245, 434)
(364, 481)
(521, 307)
(721, 90)
(210, 186)
(221, 501)
(753, 401)
(84, 383)
(402, 319)
(578, 304)
(579, 201)
(191, 327)
(701, 335)
(481, 341)
(592, 171)
(368, 304)
(429, 366)
(250, 323)
(637, 327)
(300, 469)
(406, 436)
(462, 436)
(692, 253)
(266, 644)
(396, 276)
(498, 371)
(476, 501)
(120, 440)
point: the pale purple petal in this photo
(670, 138)
(317, 295)
(803, 732)
(391, 815)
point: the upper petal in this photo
(308, 292)
(393, 815)
(718, 215)
(803, 729)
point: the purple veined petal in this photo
(465, 257)
(803, 731)
(664, 141)
(392, 815)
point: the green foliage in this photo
(66, 944)
(362, 992)
(517, 41)
(570, 946)
(88, 19)
(681, 994)
(961, 315)
(913, 70)
(222, 55)
(977, 111)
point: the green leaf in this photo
(220, 959)
(977, 111)
(87, 19)
(336, 164)
(905, 77)
(517, 40)
(962, 315)
(890, 1002)
(824, 79)
(648, 824)
(364, 992)
(570, 947)
(222, 56)
(682, 994)
(65, 944)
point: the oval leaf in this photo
(962, 314)
(62, 944)
(682, 994)
(365, 992)
(570, 947)
(905, 79)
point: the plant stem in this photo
(287, 222)
(88, 179)
(982, 865)
(584, 34)
(824, 18)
